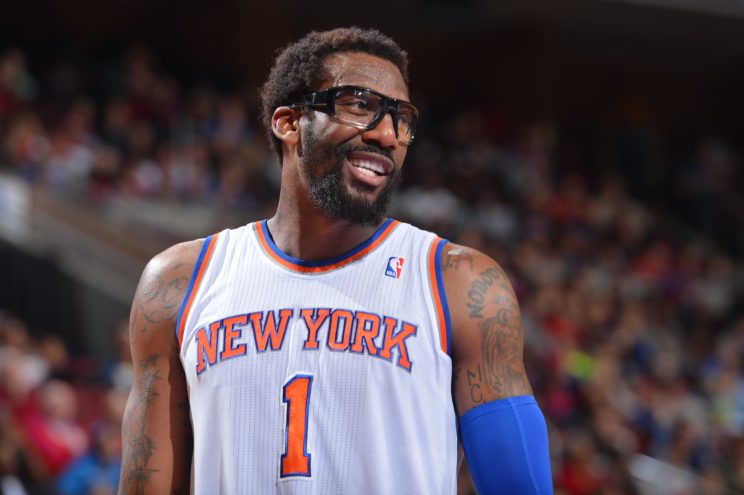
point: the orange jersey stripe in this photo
(202, 267)
(379, 238)
(436, 292)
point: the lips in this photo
(370, 168)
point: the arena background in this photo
(592, 147)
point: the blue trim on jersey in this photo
(322, 263)
(506, 445)
(442, 294)
(194, 274)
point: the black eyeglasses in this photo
(364, 109)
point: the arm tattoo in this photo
(474, 382)
(159, 301)
(140, 445)
(479, 289)
(502, 353)
(453, 259)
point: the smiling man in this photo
(329, 349)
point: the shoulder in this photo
(159, 295)
(478, 293)
(487, 339)
(168, 273)
(464, 267)
(175, 260)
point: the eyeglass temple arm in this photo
(312, 100)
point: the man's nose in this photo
(384, 133)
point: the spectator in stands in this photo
(51, 430)
(97, 471)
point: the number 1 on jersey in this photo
(295, 461)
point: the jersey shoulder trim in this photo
(304, 266)
(436, 285)
(202, 263)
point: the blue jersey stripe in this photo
(194, 274)
(442, 295)
(328, 262)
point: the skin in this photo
(487, 337)
(156, 430)
(299, 227)
(487, 333)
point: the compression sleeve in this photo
(506, 445)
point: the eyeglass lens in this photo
(363, 108)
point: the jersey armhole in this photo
(436, 285)
(202, 262)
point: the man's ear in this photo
(285, 124)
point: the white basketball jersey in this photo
(328, 377)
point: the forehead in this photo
(368, 71)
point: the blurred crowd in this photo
(60, 415)
(128, 129)
(633, 308)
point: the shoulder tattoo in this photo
(478, 291)
(456, 257)
(160, 298)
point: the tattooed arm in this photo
(502, 429)
(156, 431)
(486, 330)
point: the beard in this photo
(327, 189)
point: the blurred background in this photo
(593, 148)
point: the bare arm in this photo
(156, 431)
(499, 418)
(487, 340)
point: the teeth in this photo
(374, 167)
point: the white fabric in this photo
(372, 427)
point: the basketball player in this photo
(328, 349)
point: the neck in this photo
(305, 232)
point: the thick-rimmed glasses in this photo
(364, 109)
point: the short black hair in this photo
(299, 68)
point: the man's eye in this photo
(355, 103)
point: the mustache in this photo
(345, 149)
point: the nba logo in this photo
(394, 267)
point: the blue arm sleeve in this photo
(506, 445)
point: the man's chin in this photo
(343, 196)
(363, 209)
(363, 193)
